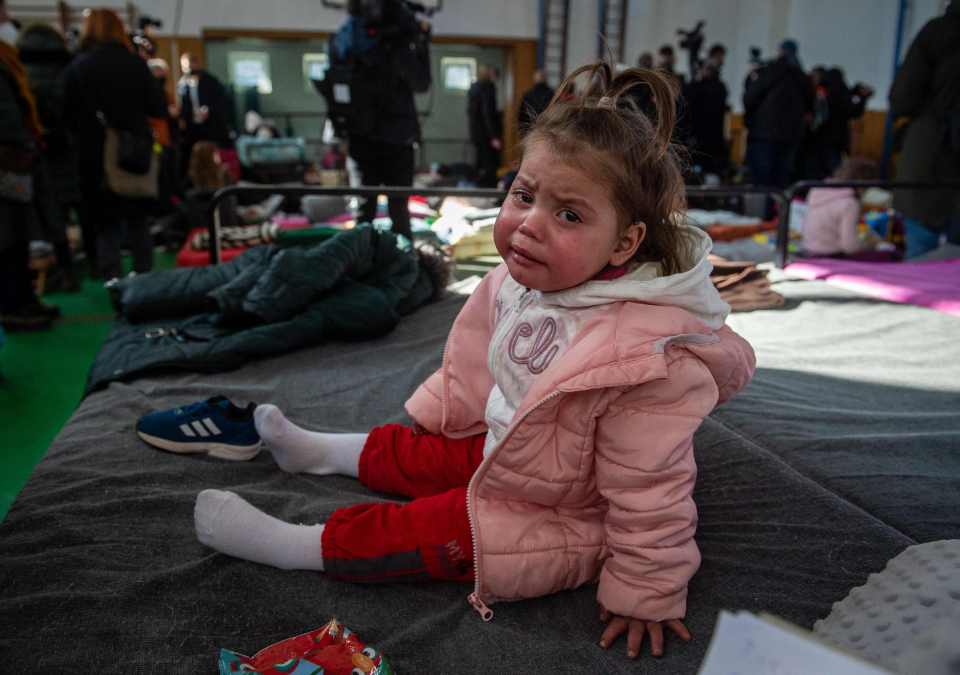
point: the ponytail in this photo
(625, 123)
(637, 90)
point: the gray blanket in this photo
(831, 462)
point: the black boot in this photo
(26, 319)
(43, 309)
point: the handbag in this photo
(131, 167)
(16, 178)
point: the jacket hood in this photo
(820, 196)
(691, 289)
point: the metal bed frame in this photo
(781, 197)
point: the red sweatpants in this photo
(427, 538)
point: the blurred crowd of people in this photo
(798, 124)
(58, 109)
(63, 100)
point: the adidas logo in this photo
(202, 428)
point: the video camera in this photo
(692, 39)
(147, 22)
(381, 42)
(141, 37)
(691, 42)
(376, 26)
(377, 12)
(386, 17)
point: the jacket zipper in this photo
(475, 599)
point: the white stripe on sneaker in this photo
(202, 430)
(187, 431)
(211, 426)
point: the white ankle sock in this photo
(297, 450)
(227, 523)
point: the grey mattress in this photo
(842, 452)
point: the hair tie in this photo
(605, 102)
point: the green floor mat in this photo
(42, 379)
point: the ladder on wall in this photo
(552, 47)
(613, 29)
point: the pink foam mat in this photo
(934, 284)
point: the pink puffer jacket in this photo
(594, 477)
(830, 227)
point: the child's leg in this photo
(391, 458)
(397, 460)
(428, 538)
(227, 523)
(297, 450)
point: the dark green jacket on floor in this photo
(267, 301)
(926, 86)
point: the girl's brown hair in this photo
(206, 172)
(102, 26)
(10, 60)
(622, 125)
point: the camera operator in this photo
(691, 42)
(777, 102)
(379, 58)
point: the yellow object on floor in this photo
(477, 244)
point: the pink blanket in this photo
(934, 284)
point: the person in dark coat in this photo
(706, 106)
(389, 67)
(20, 136)
(45, 57)
(777, 101)
(828, 138)
(667, 62)
(534, 101)
(927, 90)
(845, 105)
(486, 126)
(109, 78)
(204, 109)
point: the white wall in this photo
(859, 38)
(582, 33)
(500, 18)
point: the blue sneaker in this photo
(216, 427)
